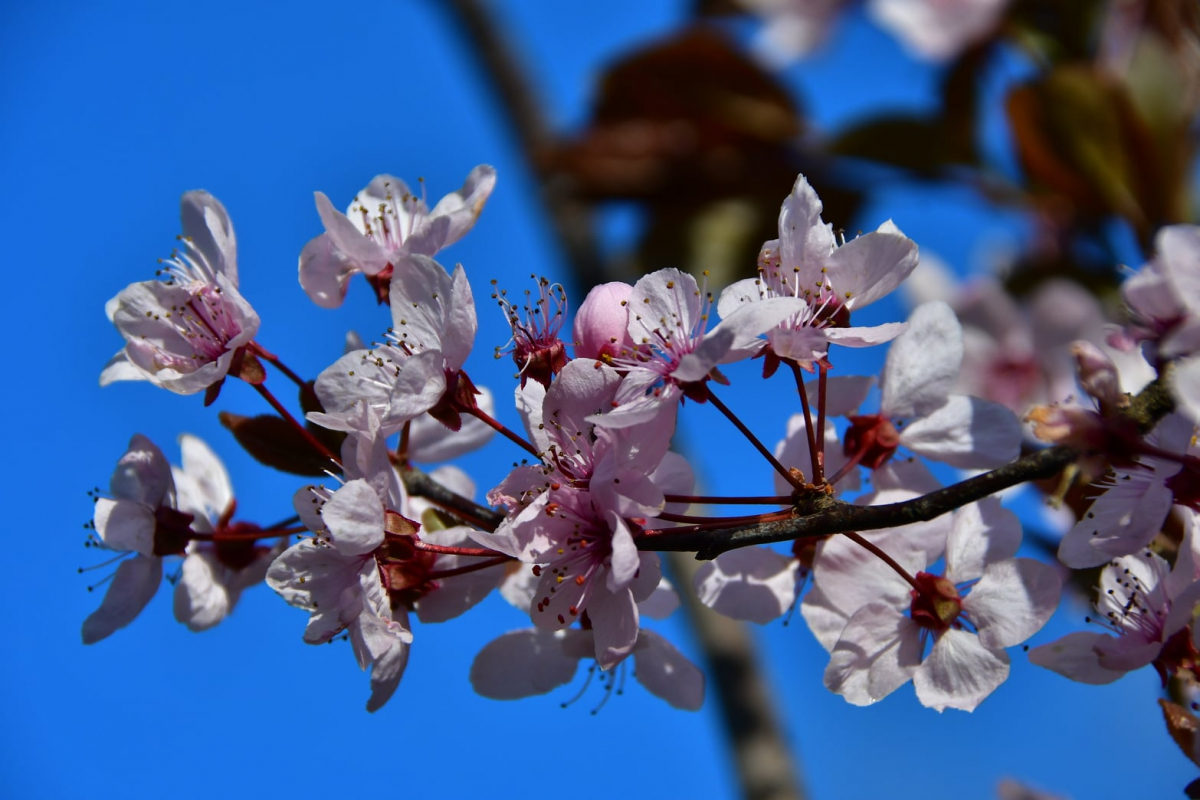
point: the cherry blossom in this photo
(1146, 608)
(806, 263)
(881, 647)
(1134, 501)
(918, 410)
(140, 518)
(385, 223)
(602, 322)
(418, 368)
(185, 333)
(535, 345)
(668, 319)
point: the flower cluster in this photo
(908, 580)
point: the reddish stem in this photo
(449, 573)
(823, 368)
(808, 421)
(780, 468)
(891, 562)
(283, 412)
(266, 355)
(454, 551)
(729, 501)
(495, 425)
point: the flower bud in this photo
(601, 323)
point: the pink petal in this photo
(522, 664)
(324, 272)
(966, 432)
(1074, 656)
(982, 533)
(364, 253)
(755, 584)
(877, 653)
(667, 673)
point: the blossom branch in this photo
(420, 484)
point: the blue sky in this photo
(112, 111)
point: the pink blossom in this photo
(418, 368)
(668, 317)
(385, 223)
(918, 410)
(535, 345)
(184, 333)
(1146, 608)
(1134, 501)
(881, 648)
(805, 263)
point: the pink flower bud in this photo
(1098, 375)
(601, 323)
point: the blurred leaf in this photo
(273, 441)
(915, 143)
(1060, 30)
(1182, 725)
(1085, 147)
(688, 115)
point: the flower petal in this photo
(132, 587)
(959, 673)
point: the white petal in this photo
(521, 664)
(876, 654)
(982, 533)
(202, 466)
(1074, 656)
(662, 603)
(959, 673)
(1012, 601)
(1119, 522)
(348, 239)
(752, 583)
(868, 267)
(201, 600)
(354, 518)
(966, 432)
(667, 673)
(125, 525)
(923, 362)
(132, 587)
(1178, 249)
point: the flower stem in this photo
(497, 426)
(449, 573)
(283, 412)
(729, 501)
(247, 536)
(878, 553)
(455, 551)
(275, 361)
(821, 387)
(780, 468)
(808, 421)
